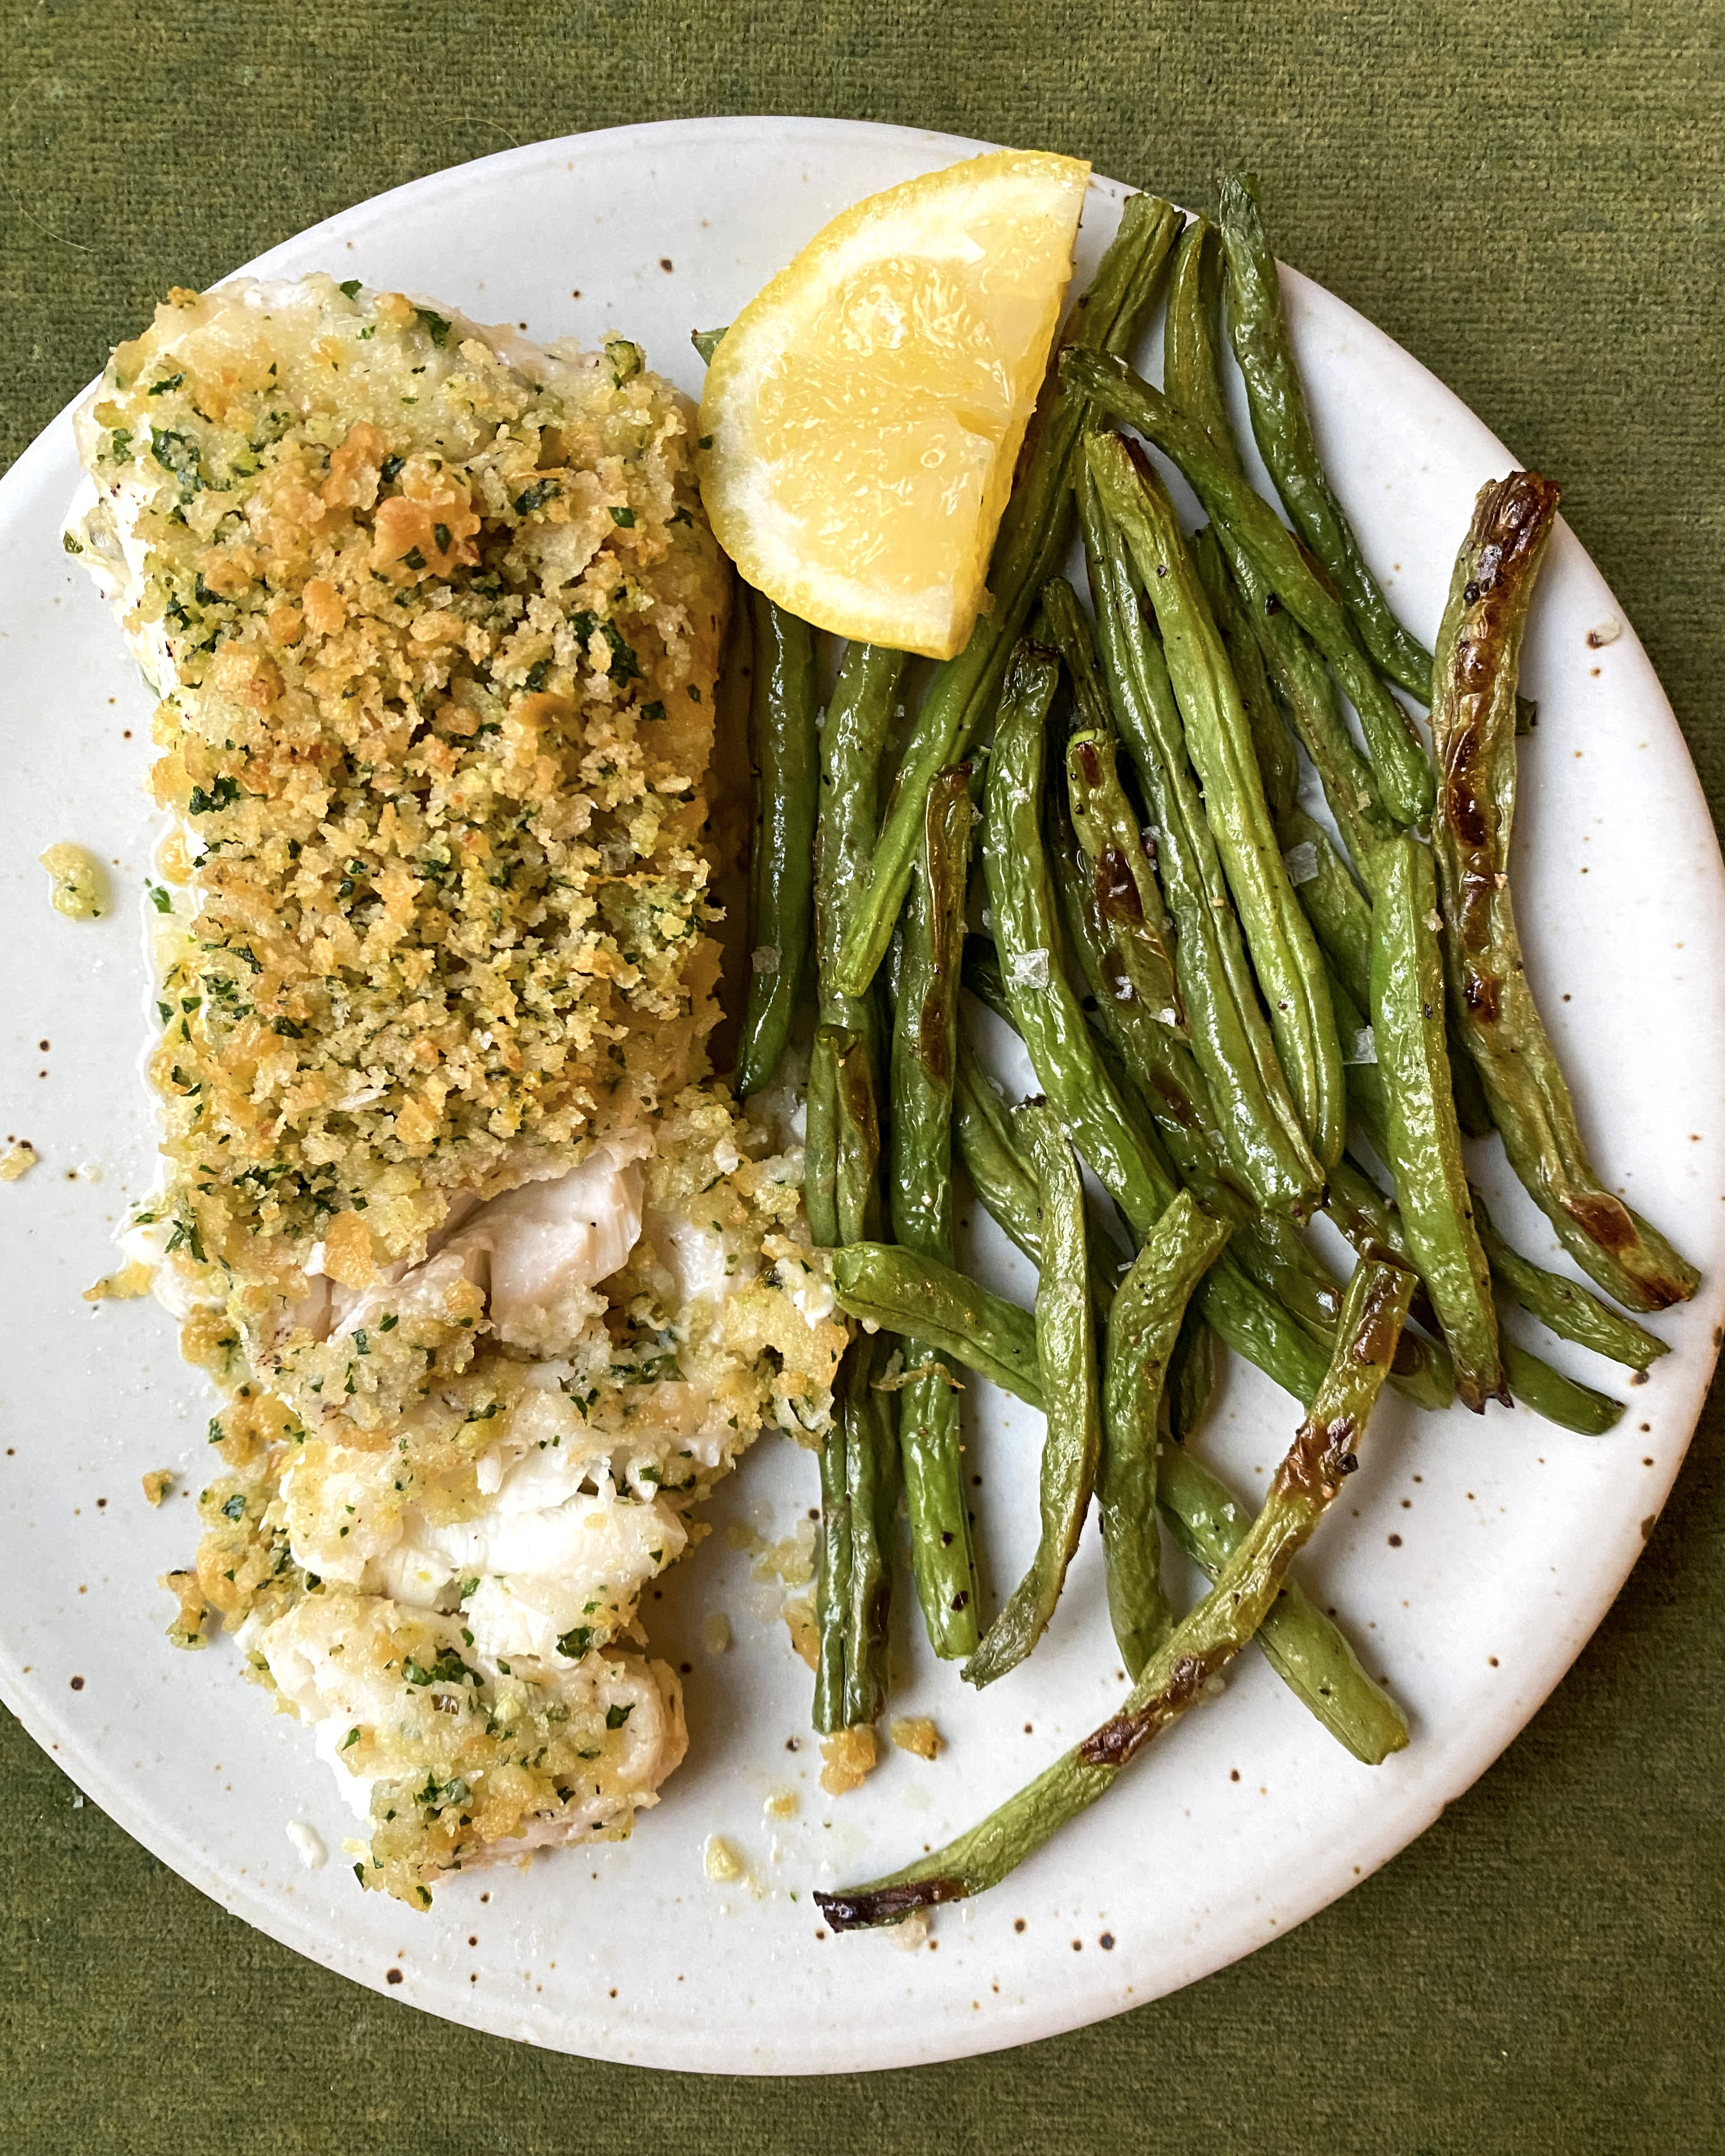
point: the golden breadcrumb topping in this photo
(442, 635)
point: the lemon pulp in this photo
(863, 414)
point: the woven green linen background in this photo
(1530, 199)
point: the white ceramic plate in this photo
(1471, 1560)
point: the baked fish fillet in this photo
(493, 1278)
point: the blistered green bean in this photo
(1473, 725)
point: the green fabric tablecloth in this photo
(1529, 198)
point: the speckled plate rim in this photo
(905, 2016)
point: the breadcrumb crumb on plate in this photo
(849, 1757)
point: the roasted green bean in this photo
(1192, 338)
(871, 1472)
(832, 1578)
(1066, 1370)
(925, 1051)
(1048, 1015)
(1283, 431)
(1403, 770)
(1278, 759)
(1424, 1140)
(1230, 1036)
(860, 1456)
(1107, 827)
(782, 739)
(1000, 1176)
(853, 749)
(1200, 1647)
(921, 1299)
(1372, 1224)
(1564, 1305)
(1303, 1646)
(1033, 536)
(1562, 1400)
(1192, 366)
(1191, 1381)
(1269, 1247)
(1142, 1328)
(1473, 725)
(1026, 931)
(1219, 739)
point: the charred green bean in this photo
(1200, 1648)
(1473, 725)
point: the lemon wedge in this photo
(864, 413)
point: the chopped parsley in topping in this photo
(160, 899)
(70, 544)
(289, 1031)
(536, 496)
(216, 1432)
(624, 665)
(535, 676)
(180, 454)
(235, 1508)
(448, 1668)
(223, 793)
(388, 1324)
(390, 470)
(120, 445)
(576, 1641)
(616, 1716)
(350, 1739)
(624, 517)
(626, 360)
(654, 711)
(350, 285)
(436, 327)
(161, 388)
